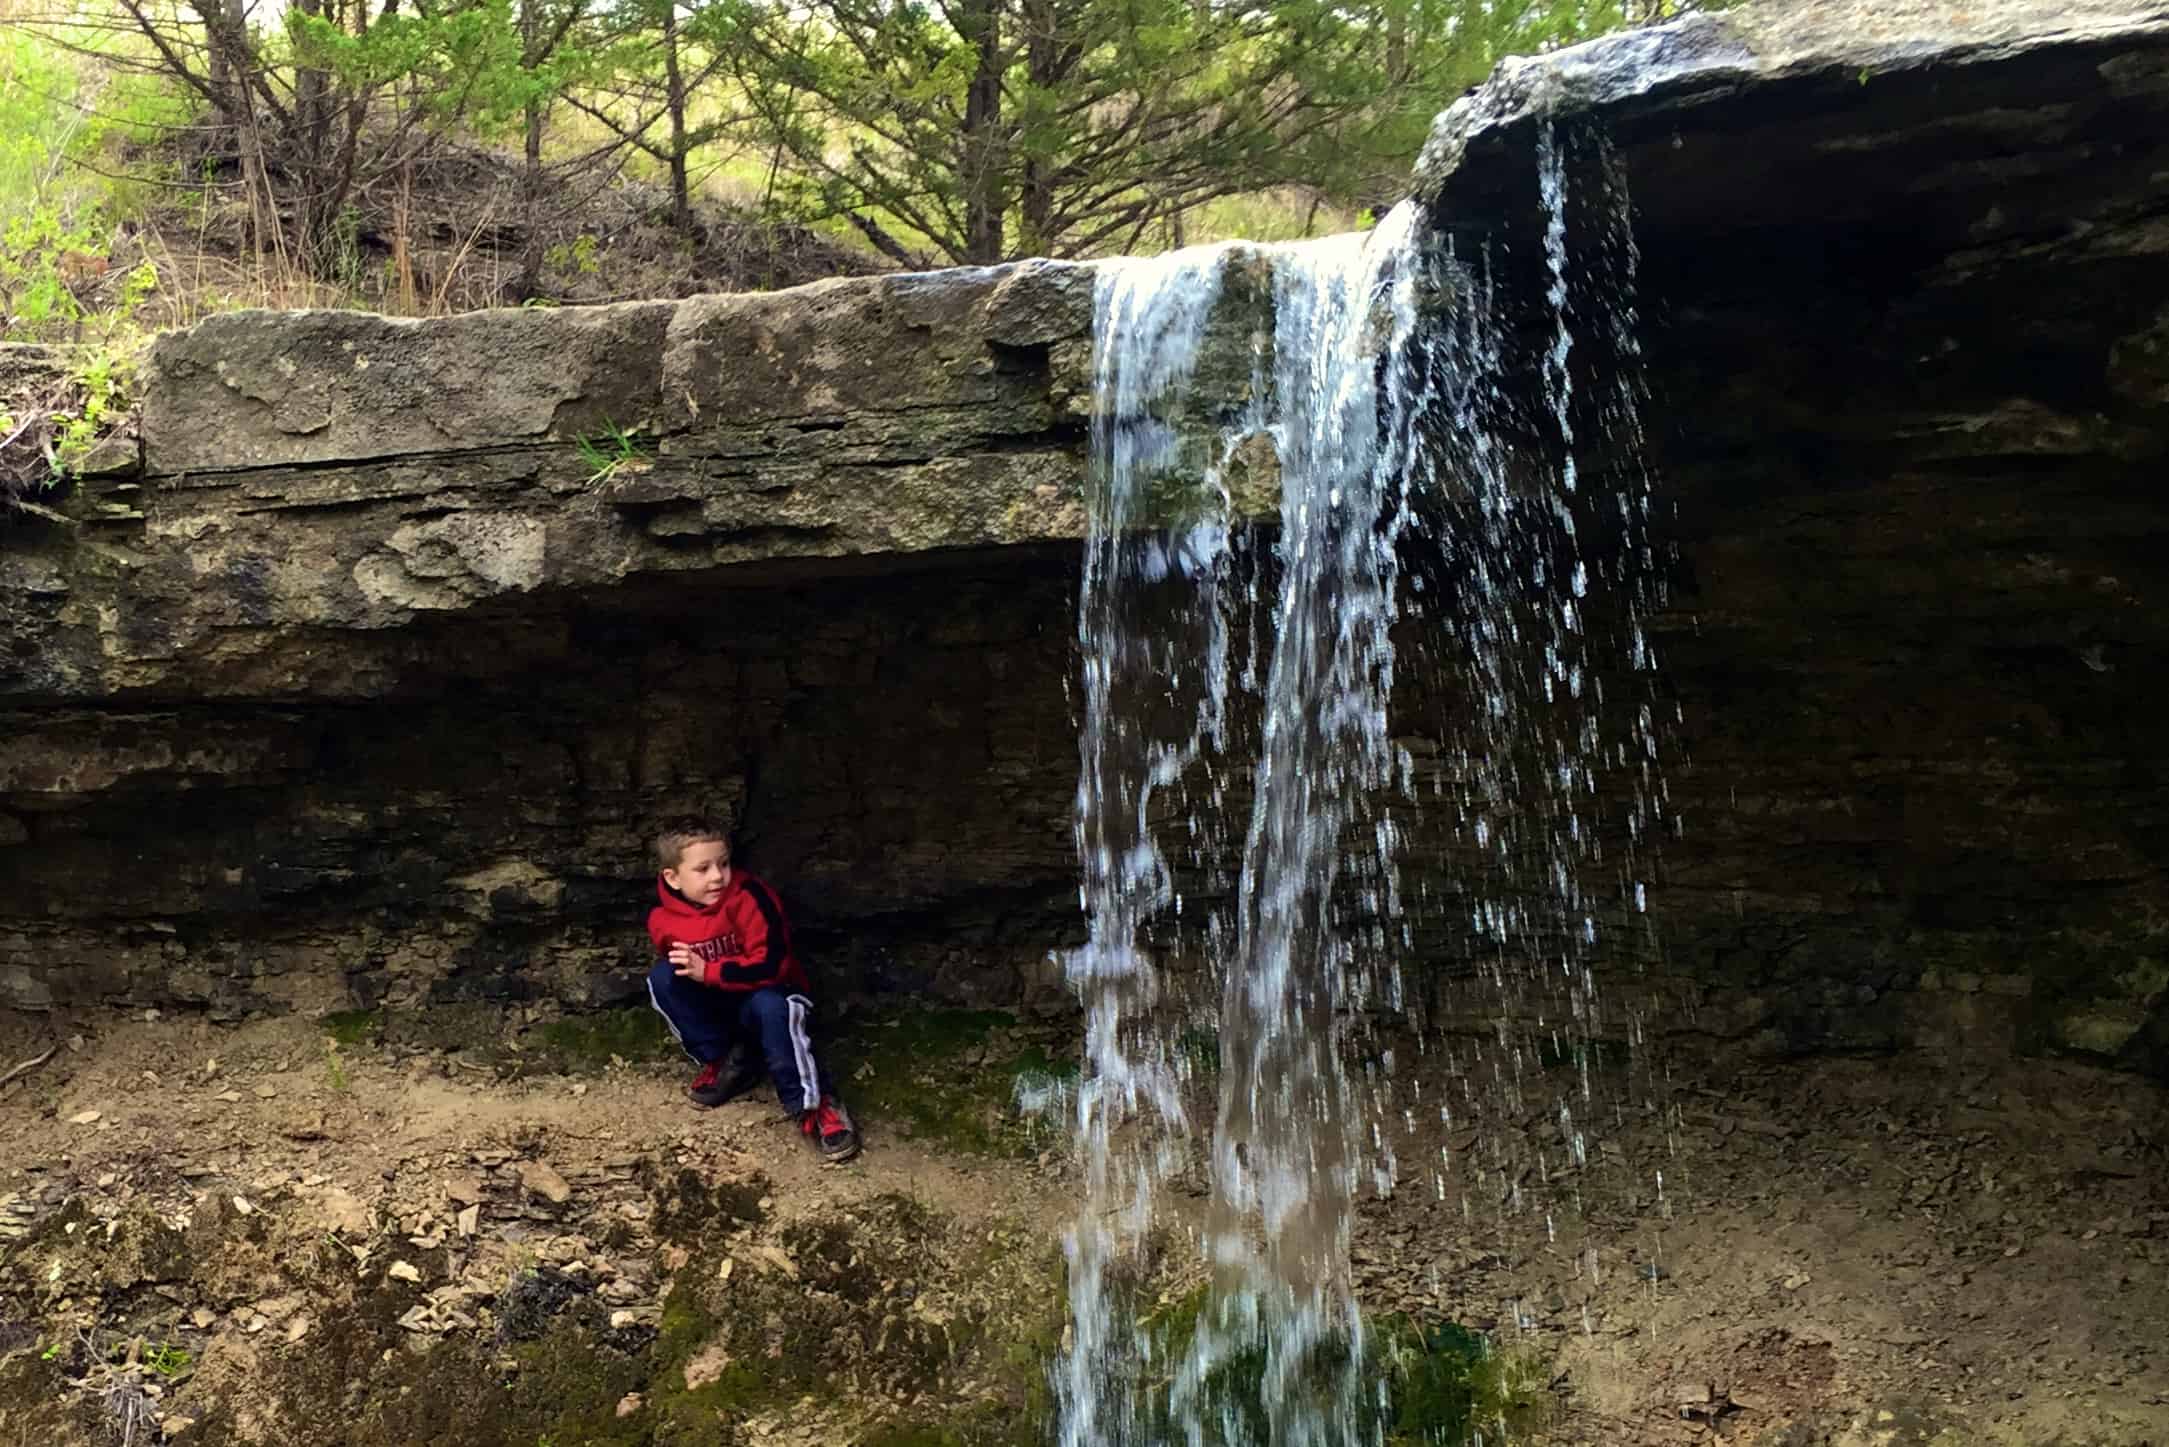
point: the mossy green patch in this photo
(690, 1208)
(472, 1026)
(1416, 1382)
(38, 1402)
(693, 1322)
(588, 1044)
(985, 1426)
(948, 1077)
(486, 1033)
(1445, 1382)
(352, 1027)
(914, 1435)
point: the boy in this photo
(728, 976)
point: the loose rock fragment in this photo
(403, 1271)
(345, 1212)
(542, 1178)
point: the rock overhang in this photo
(1909, 417)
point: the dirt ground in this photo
(194, 1217)
(1842, 1251)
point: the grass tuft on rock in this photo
(350, 1028)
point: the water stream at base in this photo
(1237, 735)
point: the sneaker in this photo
(722, 1079)
(829, 1127)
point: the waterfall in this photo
(1287, 1136)
(1237, 736)
(1153, 635)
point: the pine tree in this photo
(980, 130)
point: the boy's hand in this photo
(684, 963)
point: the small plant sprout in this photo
(612, 451)
(168, 1361)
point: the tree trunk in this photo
(314, 215)
(212, 12)
(527, 282)
(681, 199)
(982, 141)
(264, 233)
(409, 294)
(1042, 66)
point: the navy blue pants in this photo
(709, 1022)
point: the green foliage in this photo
(38, 120)
(52, 262)
(60, 107)
(349, 1028)
(59, 282)
(1448, 1382)
(1439, 1383)
(995, 128)
(45, 440)
(104, 380)
(574, 258)
(168, 1361)
(610, 452)
(464, 63)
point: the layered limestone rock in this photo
(1905, 274)
(340, 473)
(362, 685)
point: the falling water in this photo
(1230, 672)
(1152, 630)
(1287, 1137)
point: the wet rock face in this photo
(1902, 289)
(366, 682)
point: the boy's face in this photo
(703, 871)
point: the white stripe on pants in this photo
(809, 1079)
(658, 1004)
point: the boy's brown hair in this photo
(677, 835)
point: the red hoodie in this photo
(743, 940)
